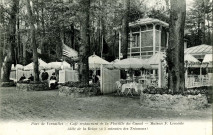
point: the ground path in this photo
(48, 105)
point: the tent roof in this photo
(200, 49)
(18, 66)
(134, 63)
(116, 60)
(95, 61)
(42, 65)
(155, 59)
(58, 65)
(207, 58)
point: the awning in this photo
(207, 58)
(190, 59)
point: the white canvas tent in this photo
(130, 63)
(116, 60)
(42, 65)
(18, 66)
(59, 65)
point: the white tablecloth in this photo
(135, 86)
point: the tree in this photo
(175, 52)
(10, 55)
(85, 42)
(1, 37)
(125, 29)
(33, 40)
(197, 16)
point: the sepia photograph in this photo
(140, 67)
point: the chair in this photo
(138, 88)
(130, 87)
(118, 87)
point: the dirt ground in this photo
(48, 105)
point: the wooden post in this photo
(102, 45)
(167, 39)
(201, 74)
(130, 45)
(154, 72)
(154, 38)
(119, 45)
(102, 77)
(140, 41)
(160, 38)
(160, 65)
(186, 76)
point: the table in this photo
(52, 82)
(130, 86)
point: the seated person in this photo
(53, 77)
(31, 78)
(22, 78)
(95, 79)
(53, 83)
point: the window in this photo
(136, 40)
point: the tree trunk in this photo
(209, 31)
(85, 42)
(43, 29)
(72, 36)
(1, 40)
(10, 57)
(24, 54)
(212, 32)
(175, 54)
(33, 41)
(19, 48)
(125, 29)
(203, 23)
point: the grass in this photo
(48, 105)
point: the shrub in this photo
(84, 88)
(189, 91)
(205, 90)
(31, 82)
(7, 84)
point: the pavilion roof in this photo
(145, 21)
(199, 50)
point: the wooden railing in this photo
(197, 81)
